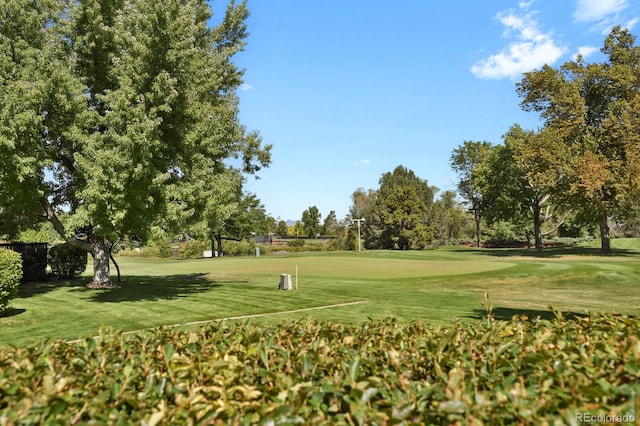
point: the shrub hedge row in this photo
(523, 372)
(10, 275)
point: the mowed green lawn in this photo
(436, 287)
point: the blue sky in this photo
(347, 90)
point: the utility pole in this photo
(359, 220)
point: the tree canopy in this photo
(520, 182)
(311, 221)
(593, 111)
(398, 214)
(121, 114)
(465, 160)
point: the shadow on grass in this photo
(549, 253)
(12, 312)
(31, 289)
(132, 288)
(150, 288)
(506, 314)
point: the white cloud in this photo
(586, 51)
(525, 4)
(606, 25)
(531, 48)
(597, 10)
(245, 86)
(362, 162)
(632, 23)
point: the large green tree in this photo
(34, 76)
(594, 110)
(281, 228)
(248, 220)
(404, 203)
(311, 222)
(465, 160)
(117, 112)
(330, 225)
(521, 183)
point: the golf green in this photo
(360, 267)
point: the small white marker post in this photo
(296, 277)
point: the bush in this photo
(162, 248)
(295, 243)
(10, 275)
(67, 261)
(193, 249)
(129, 252)
(150, 251)
(304, 245)
(239, 248)
(379, 372)
(503, 232)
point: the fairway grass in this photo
(436, 287)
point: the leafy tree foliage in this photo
(594, 112)
(249, 219)
(398, 214)
(297, 229)
(404, 202)
(122, 113)
(281, 228)
(41, 233)
(449, 218)
(364, 207)
(519, 180)
(465, 160)
(311, 222)
(330, 225)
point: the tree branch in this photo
(59, 227)
(558, 225)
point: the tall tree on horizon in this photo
(404, 203)
(465, 160)
(311, 221)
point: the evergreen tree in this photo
(404, 202)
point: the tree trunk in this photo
(478, 219)
(101, 270)
(537, 226)
(115, 264)
(99, 248)
(605, 237)
(219, 239)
